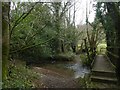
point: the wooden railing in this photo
(93, 62)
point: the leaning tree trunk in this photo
(5, 38)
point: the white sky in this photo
(80, 17)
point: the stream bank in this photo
(61, 74)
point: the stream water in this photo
(79, 70)
(77, 67)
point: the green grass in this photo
(101, 48)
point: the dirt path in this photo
(51, 79)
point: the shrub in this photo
(84, 59)
(101, 48)
(86, 82)
(65, 56)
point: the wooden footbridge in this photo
(103, 70)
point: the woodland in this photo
(41, 37)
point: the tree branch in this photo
(23, 16)
(35, 34)
(24, 48)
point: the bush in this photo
(84, 59)
(65, 56)
(86, 82)
(101, 48)
(36, 53)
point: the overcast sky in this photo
(80, 6)
(81, 11)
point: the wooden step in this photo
(104, 73)
(103, 79)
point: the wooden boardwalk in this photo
(101, 63)
(103, 70)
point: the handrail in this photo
(93, 62)
(112, 54)
(110, 61)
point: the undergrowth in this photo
(20, 76)
(86, 82)
(84, 59)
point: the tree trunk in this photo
(5, 38)
(62, 47)
(86, 49)
(115, 15)
(73, 46)
(107, 22)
